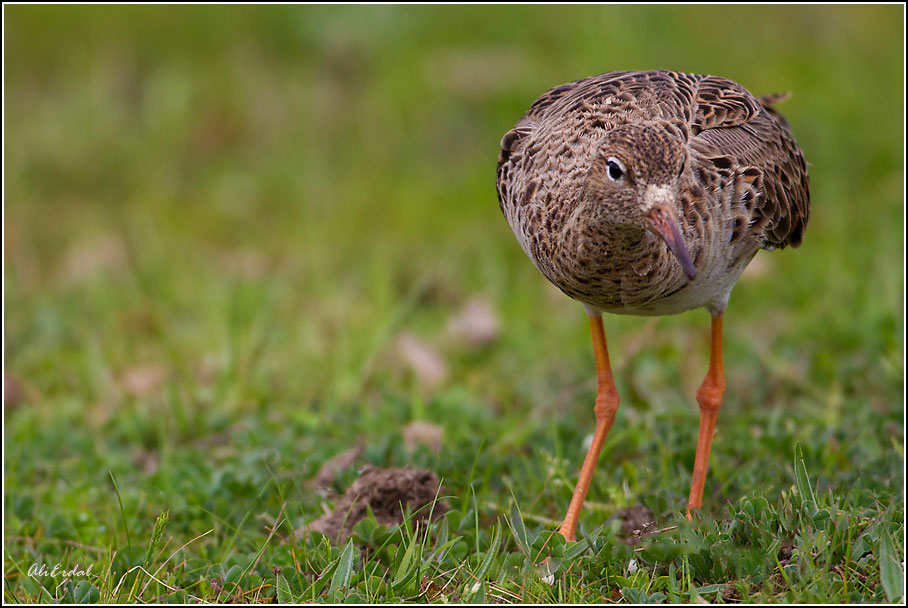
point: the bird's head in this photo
(634, 181)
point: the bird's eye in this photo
(616, 169)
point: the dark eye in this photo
(616, 169)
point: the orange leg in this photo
(606, 406)
(709, 396)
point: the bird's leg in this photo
(605, 408)
(709, 396)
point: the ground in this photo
(250, 252)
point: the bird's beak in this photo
(660, 221)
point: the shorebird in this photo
(648, 193)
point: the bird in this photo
(647, 193)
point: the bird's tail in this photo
(770, 100)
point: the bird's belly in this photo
(664, 290)
(689, 297)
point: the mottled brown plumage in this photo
(736, 182)
(648, 193)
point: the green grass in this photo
(218, 221)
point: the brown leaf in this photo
(245, 264)
(147, 461)
(207, 370)
(422, 433)
(143, 380)
(13, 391)
(423, 360)
(475, 324)
(92, 255)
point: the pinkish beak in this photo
(661, 222)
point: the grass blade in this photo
(403, 568)
(801, 478)
(518, 530)
(160, 525)
(344, 571)
(283, 590)
(122, 511)
(440, 553)
(890, 570)
(490, 554)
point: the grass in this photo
(219, 221)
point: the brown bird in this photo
(648, 193)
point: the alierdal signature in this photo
(39, 570)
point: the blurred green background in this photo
(219, 221)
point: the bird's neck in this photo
(591, 231)
(594, 251)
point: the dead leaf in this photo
(146, 461)
(475, 324)
(141, 321)
(246, 264)
(422, 433)
(90, 256)
(13, 391)
(423, 360)
(143, 380)
(207, 370)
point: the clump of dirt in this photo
(730, 592)
(389, 493)
(636, 523)
(785, 553)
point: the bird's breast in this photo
(624, 269)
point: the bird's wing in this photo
(770, 164)
(722, 103)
